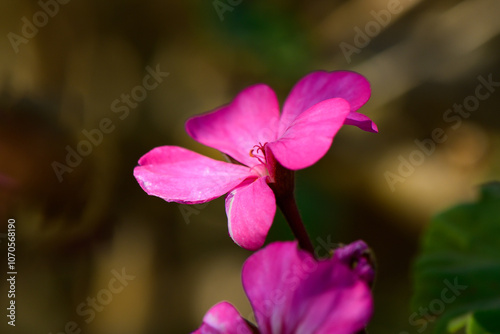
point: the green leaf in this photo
(487, 322)
(458, 269)
(474, 328)
(480, 322)
(458, 323)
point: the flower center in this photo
(258, 151)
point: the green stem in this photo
(283, 185)
(289, 208)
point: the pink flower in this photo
(251, 131)
(290, 293)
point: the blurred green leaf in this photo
(458, 269)
(487, 322)
(272, 35)
(474, 328)
(480, 322)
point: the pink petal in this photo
(180, 175)
(319, 86)
(310, 135)
(269, 278)
(223, 318)
(332, 299)
(252, 117)
(361, 121)
(291, 292)
(250, 210)
(359, 254)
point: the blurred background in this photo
(73, 72)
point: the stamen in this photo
(254, 152)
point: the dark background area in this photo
(76, 231)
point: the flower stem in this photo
(283, 184)
(289, 208)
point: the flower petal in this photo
(223, 318)
(358, 255)
(269, 279)
(321, 85)
(310, 135)
(250, 210)
(252, 117)
(291, 292)
(332, 299)
(361, 121)
(180, 175)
